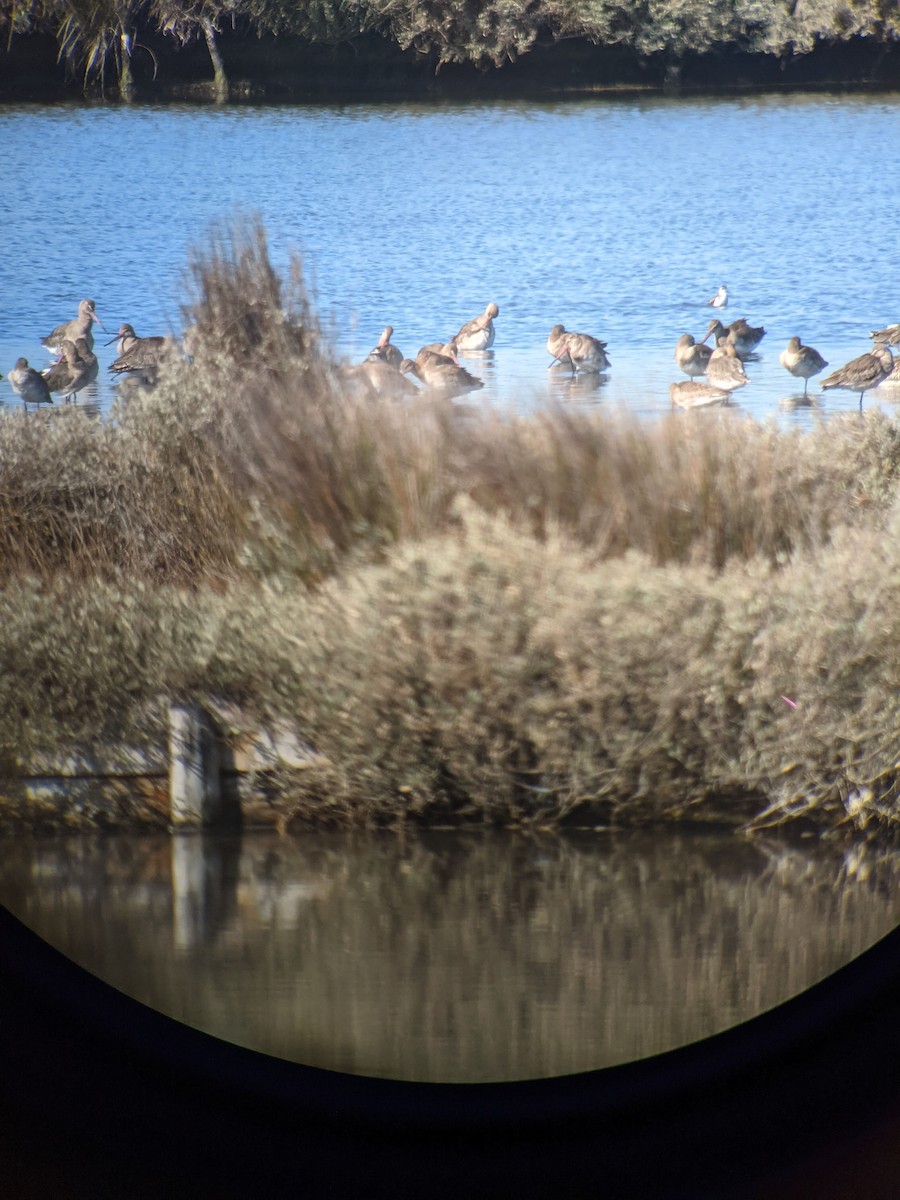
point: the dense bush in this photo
(93, 33)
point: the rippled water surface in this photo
(618, 218)
(454, 956)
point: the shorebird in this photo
(448, 349)
(720, 299)
(385, 351)
(75, 370)
(725, 370)
(585, 353)
(889, 336)
(29, 384)
(692, 356)
(478, 334)
(863, 373)
(745, 338)
(376, 377)
(80, 326)
(802, 361)
(691, 394)
(137, 355)
(440, 372)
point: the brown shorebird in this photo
(863, 373)
(745, 338)
(386, 351)
(377, 377)
(478, 334)
(802, 361)
(584, 353)
(75, 370)
(692, 356)
(720, 299)
(137, 355)
(889, 336)
(80, 326)
(440, 372)
(725, 370)
(29, 384)
(691, 394)
(448, 349)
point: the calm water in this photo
(618, 218)
(454, 956)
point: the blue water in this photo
(618, 218)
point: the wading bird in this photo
(441, 373)
(889, 336)
(376, 377)
(725, 370)
(745, 338)
(29, 384)
(80, 326)
(385, 350)
(692, 356)
(863, 373)
(478, 334)
(139, 356)
(802, 361)
(689, 393)
(584, 353)
(75, 370)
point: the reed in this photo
(472, 615)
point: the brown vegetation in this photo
(471, 615)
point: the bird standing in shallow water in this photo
(80, 326)
(440, 372)
(745, 338)
(725, 370)
(478, 334)
(375, 376)
(689, 393)
(29, 384)
(140, 356)
(802, 361)
(720, 299)
(863, 373)
(889, 336)
(692, 356)
(385, 351)
(584, 353)
(74, 371)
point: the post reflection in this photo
(455, 956)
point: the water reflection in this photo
(454, 956)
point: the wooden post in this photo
(194, 773)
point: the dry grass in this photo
(484, 675)
(472, 615)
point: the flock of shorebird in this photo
(735, 344)
(722, 364)
(385, 369)
(76, 364)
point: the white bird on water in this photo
(720, 299)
